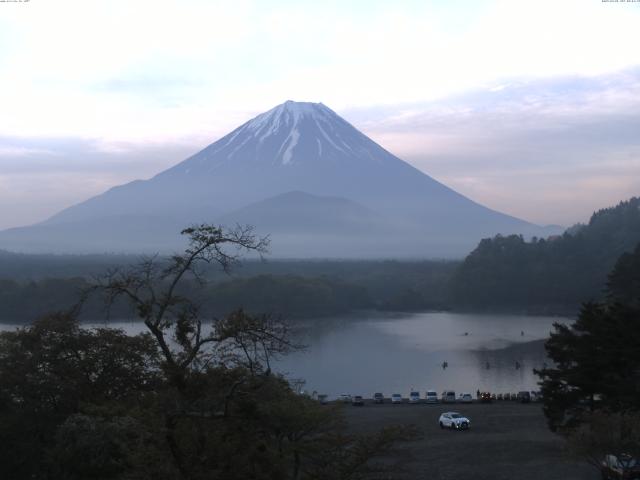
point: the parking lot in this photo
(507, 440)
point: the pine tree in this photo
(597, 358)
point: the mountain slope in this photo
(304, 225)
(302, 147)
(298, 211)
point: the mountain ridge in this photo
(304, 147)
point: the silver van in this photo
(448, 396)
(431, 396)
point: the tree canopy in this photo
(194, 398)
(597, 358)
(554, 274)
(54, 369)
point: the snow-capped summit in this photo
(287, 115)
(293, 119)
(290, 133)
(249, 174)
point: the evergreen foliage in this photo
(290, 289)
(597, 358)
(554, 274)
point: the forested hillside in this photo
(624, 281)
(290, 289)
(554, 274)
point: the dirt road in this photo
(507, 440)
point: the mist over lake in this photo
(395, 353)
(398, 353)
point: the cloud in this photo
(132, 71)
(37, 182)
(505, 100)
(13, 152)
(549, 151)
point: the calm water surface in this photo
(399, 353)
(369, 353)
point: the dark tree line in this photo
(555, 274)
(303, 294)
(286, 295)
(28, 267)
(591, 393)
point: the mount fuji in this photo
(299, 172)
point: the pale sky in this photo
(529, 107)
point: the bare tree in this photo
(220, 410)
(174, 317)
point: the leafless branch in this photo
(151, 288)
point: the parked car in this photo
(344, 398)
(396, 398)
(485, 397)
(499, 396)
(414, 397)
(323, 399)
(448, 396)
(378, 398)
(454, 420)
(431, 396)
(624, 467)
(466, 398)
(357, 401)
(514, 396)
(524, 397)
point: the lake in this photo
(396, 353)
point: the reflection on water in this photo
(404, 352)
(389, 353)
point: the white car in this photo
(431, 396)
(466, 398)
(414, 397)
(454, 420)
(345, 398)
(396, 398)
(622, 467)
(448, 396)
